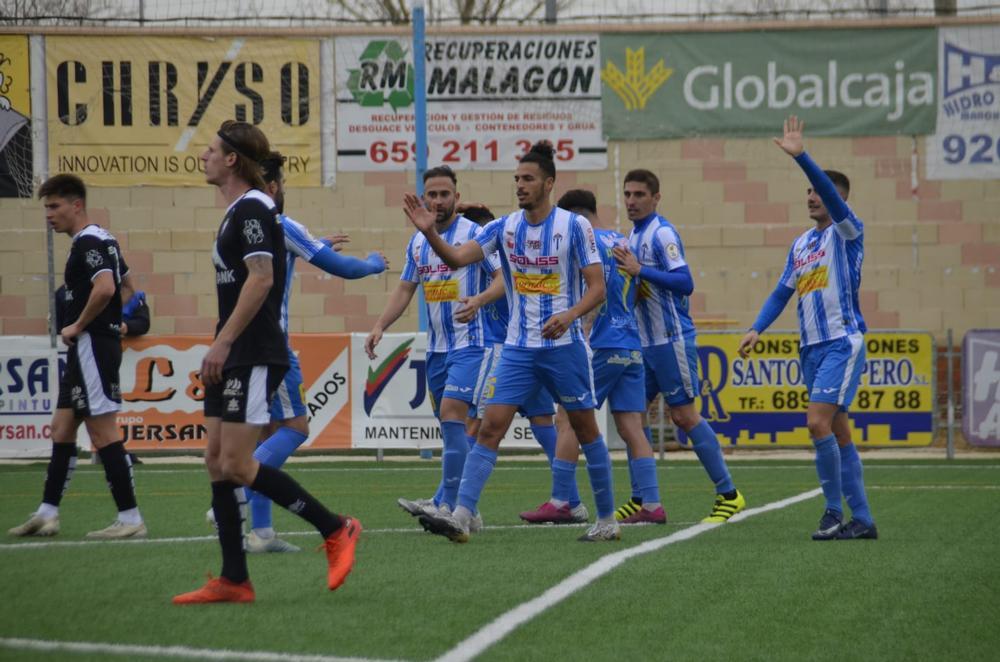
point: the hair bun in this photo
(544, 149)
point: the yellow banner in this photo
(762, 400)
(125, 111)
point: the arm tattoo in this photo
(260, 265)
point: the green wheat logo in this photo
(636, 85)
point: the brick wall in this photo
(931, 263)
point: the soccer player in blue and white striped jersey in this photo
(552, 274)
(454, 348)
(824, 267)
(289, 426)
(656, 256)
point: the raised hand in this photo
(421, 217)
(791, 143)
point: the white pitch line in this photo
(49, 544)
(49, 646)
(510, 621)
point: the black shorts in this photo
(244, 394)
(90, 385)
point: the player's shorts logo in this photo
(252, 231)
(94, 258)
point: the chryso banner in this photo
(126, 111)
(762, 400)
(15, 114)
(966, 144)
(488, 99)
(981, 387)
(860, 82)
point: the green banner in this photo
(861, 82)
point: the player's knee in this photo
(489, 435)
(585, 428)
(300, 424)
(818, 426)
(684, 418)
(237, 469)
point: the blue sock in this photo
(452, 459)
(564, 482)
(828, 469)
(546, 437)
(636, 494)
(643, 470)
(478, 467)
(470, 440)
(273, 452)
(706, 447)
(853, 483)
(599, 470)
(439, 495)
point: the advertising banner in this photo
(489, 97)
(966, 144)
(15, 113)
(162, 392)
(981, 387)
(392, 407)
(842, 82)
(127, 111)
(29, 385)
(762, 401)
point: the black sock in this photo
(282, 489)
(61, 467)
(229, 522)
(118, 471)
(729, 496)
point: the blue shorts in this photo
(541, 404)
(832, 369)
(620, 378)
(453, 375)
(289, 400)
(564, 370)
(672, 369)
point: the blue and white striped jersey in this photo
(298, 243)
(496, 315)
(615, 326)
(444, 286)
(663, 314)
(542, 268)
(825, 269)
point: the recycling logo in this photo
(384, 76)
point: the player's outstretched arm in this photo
(349, 267)
(792, 144)
(397, 303)
(423, 219)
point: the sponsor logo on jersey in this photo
(812, 281)
(540, 261)
(425, 269)
(436, 291)
(809, 259)
(536, 283)
(227, 277)
(252, 231)
(94, 258)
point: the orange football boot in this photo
(340, 551)
(217, 589)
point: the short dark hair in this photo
(480, 215)
(577, 200)
(646, 177)
(270, 167)
(250, 146)
(543, 154)
(441, 171)
(63, 186)
(839, 179)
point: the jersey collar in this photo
(643, 222)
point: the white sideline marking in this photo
(42, 645)
(284, 534)
(507, 623)
(933, 487)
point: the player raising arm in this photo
(824, 267)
